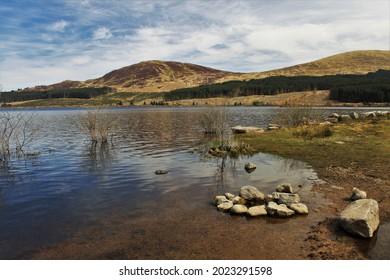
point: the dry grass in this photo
(362, 144)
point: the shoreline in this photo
(173, 231)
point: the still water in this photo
(70, 184)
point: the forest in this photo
(82, 93)
(371, 87)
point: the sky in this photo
(48, 41)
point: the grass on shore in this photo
(362, 144)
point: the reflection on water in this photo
(73, 184)
(99, 157)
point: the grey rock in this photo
(286, 198)
(229, 196)
(220, 199)
(255, 211)
(284, 188)
(252, 194)
(334, 115)
(272, 126)
(332, 120)
(358, 194)
(280, 210)
(371, 114)
(361, 217)
(250, 167)
(161, 172)
(238, 209)
(354, 115)
(239, 200)
(344, 118)
(299, 208)
(246, 129)
(225, 206)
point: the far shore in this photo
(308, 98)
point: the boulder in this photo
(284, 188)
(246, 129)
(255, 211)
(358, 194)
(225, 206)
(239, 200)
(250, 167)
(299, 208)
(286, 198)
(272, 126)
(344, 118)
(369, 114)
(238, 209)
(334, 115)
(280, 210)
(252, 194)
(161, 172)
(354, 115)
(229, 196)
(361, 217)
(220, 199)
(332, 120)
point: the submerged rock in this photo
(280, 210)
(257, 211)
(161, 172)
(361, 217)
(251, 193)
(358, 194)
(238, 209)
(299, 208)
(250, 167)
(284, 188)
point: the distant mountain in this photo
(158, 75)
(355, 62)
(163, 76)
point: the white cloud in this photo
(101, 33)
(229, 35)
(59, 26)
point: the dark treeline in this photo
(82, 93)
(372, 87)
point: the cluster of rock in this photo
(335, 118)
(250, 201)
(360, 217)
(332, 119)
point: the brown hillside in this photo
(158, 76)
(162, 76)
(355, 62)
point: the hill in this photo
(354, 62)
(164, 76)
(157, 76)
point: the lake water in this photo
(69, 185)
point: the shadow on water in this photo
(377, 247)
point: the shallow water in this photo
(46, 198)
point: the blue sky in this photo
(48, 41)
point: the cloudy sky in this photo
(48, 41)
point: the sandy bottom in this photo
(178, 228)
